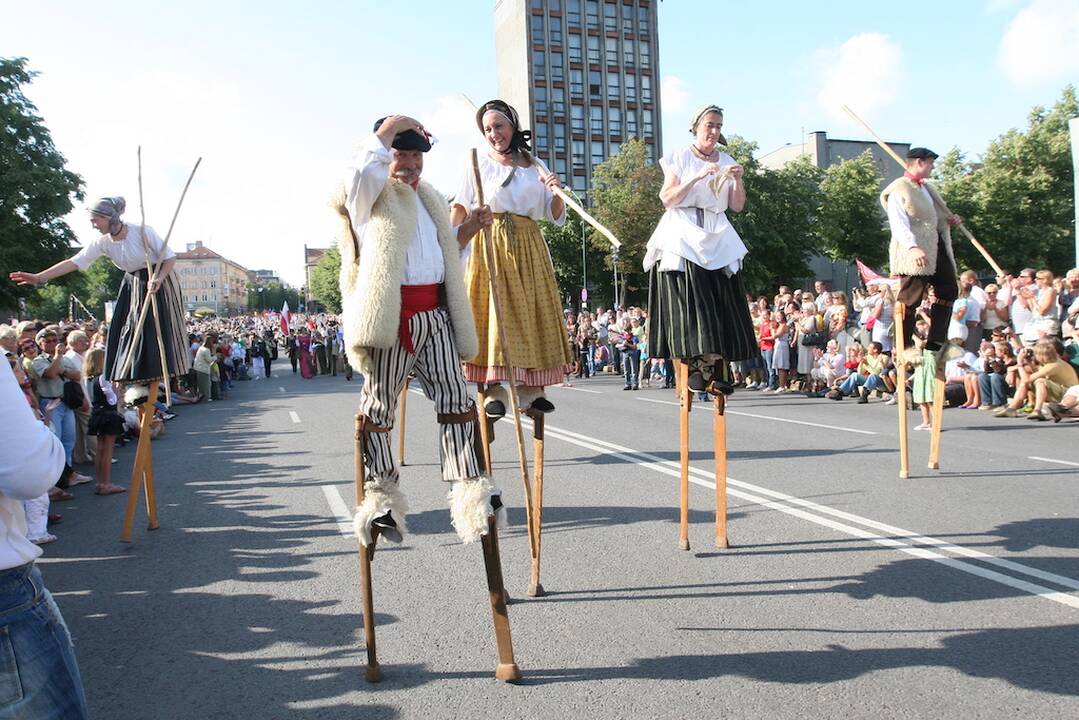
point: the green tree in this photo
(565, 245)
(851, 221)
(325, 280)
(36, 190)
(625, 195)
(779, 223)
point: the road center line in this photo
(672, 469)
(295, 418)
(1051, 460)
(769, 417)
(339, 509)
(577, 389)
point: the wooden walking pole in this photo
(374, 671)
(936, 198)
(487, 434)
(142, 471)
(719, 432)
(937, 421)
(403, 402)
(686, 396)
(898, 313)
(511, 370)
(135, 335)
(507, 669)
(150, 275)
(535, 588)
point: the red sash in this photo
(415, 299)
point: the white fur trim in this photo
(526, 395)
(379, 498)
(135, 393)
(470, 506)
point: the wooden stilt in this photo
(403, 402)
(487, 434)
(142, 470)
(686, 404)
(937, 419)
(899, 312)
(374, 671)
(535, 588)
(719, 430)
(507, 669)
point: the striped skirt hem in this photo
(138, 359)
(528, 378)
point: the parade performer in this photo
(405, 311)
(697, 307)
(132, 356)
(518, 188)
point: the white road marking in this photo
(339, 509)
(292, 414)
(1051, 460)
(576, 389)
(666, 467)
(768, 417)
(281, 388)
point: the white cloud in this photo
(1039, 45)
(865, 73)
(674, 95)
(992, 7)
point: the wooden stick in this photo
(374, 671)
(535, 588)
(401, 424)
(898, 313)
(143, 459)
(142, 316)
(507, 669)
(151, 494)
(486, 428)
(937, 421)
(719, 432)
(511, 370)
(936, 197)
(686, 396)
(153, 302)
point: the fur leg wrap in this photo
(526, 395)
(379, 498)
(136, 394)
(470, 506)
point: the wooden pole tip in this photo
(683, 544)
(536, 590)
(934, 466)
(903, 475)
(374, 673)
(508, 672)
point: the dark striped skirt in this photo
(698, 312)
(144, 350)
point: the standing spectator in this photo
(53, 370)
(994, 312)
(631, 356)
(1016, 293)
(105, 422)
(824, 295)
(85, 445)
(203, 358)
(293, 350)
(976, 302)
(1043, 307)
(923, 380)
(781, 350)
(1069, 293)
(882, 310)
(810, 323)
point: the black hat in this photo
(407, 140)
(921, 153)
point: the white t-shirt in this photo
(128, 254)
(507, 189)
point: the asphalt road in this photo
(846, 593)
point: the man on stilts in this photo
(921, 255)
(405, 311)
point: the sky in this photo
(276, 96)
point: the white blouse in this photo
(127, 254)
(697, 229)
(522, 194)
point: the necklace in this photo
(118, 233)
(702, 153)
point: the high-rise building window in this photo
(646, 60)
(540, 136)
(560, 167)
(576, 83)
(631, 123)
(554, 5)
(537, 29)
(647, 124)
(631, 87)
(615, 147)
(559, 138)
(610, 17)
(611, 46)
(595, 84)
(642, 20)
(646, 89)
(595, 117)
(573, 12)
(537, 4)
(592, 13)
(558, 101)
(539, 67)
(593, 49)
(627, 20)
(557, 71)
(614, 122)
(577, 158)
(576, 118)
(575, 48)
(629, 53)
(554, 26)
(614, 87)
(540, 95)
(597, 155)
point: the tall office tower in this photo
(583, 75)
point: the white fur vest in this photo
(371, 290)
(926, 223)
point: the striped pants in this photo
(437, 366)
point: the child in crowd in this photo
(922, 381)
(105, 423)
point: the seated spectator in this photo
(1068, 407)
(1050, 379)
(828, 368)
(958, 372)
(866, 377)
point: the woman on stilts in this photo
(518, 188)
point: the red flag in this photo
(286, 316)
(871, 277)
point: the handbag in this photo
(815, 339)
(72, 395)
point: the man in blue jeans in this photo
(39, 676)
(631, 356)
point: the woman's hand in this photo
(153, 285)
(25, 278)
(708, 170)
(551, 181)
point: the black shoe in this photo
(720, 387)
(496, 501)
(543, 405)
(696, 382)
(627, 387)
(636, 387)
(385, 526)
(863, 397)
(494, 409)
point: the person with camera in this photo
(54, 369)
(629, 345)
(1044, 377)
